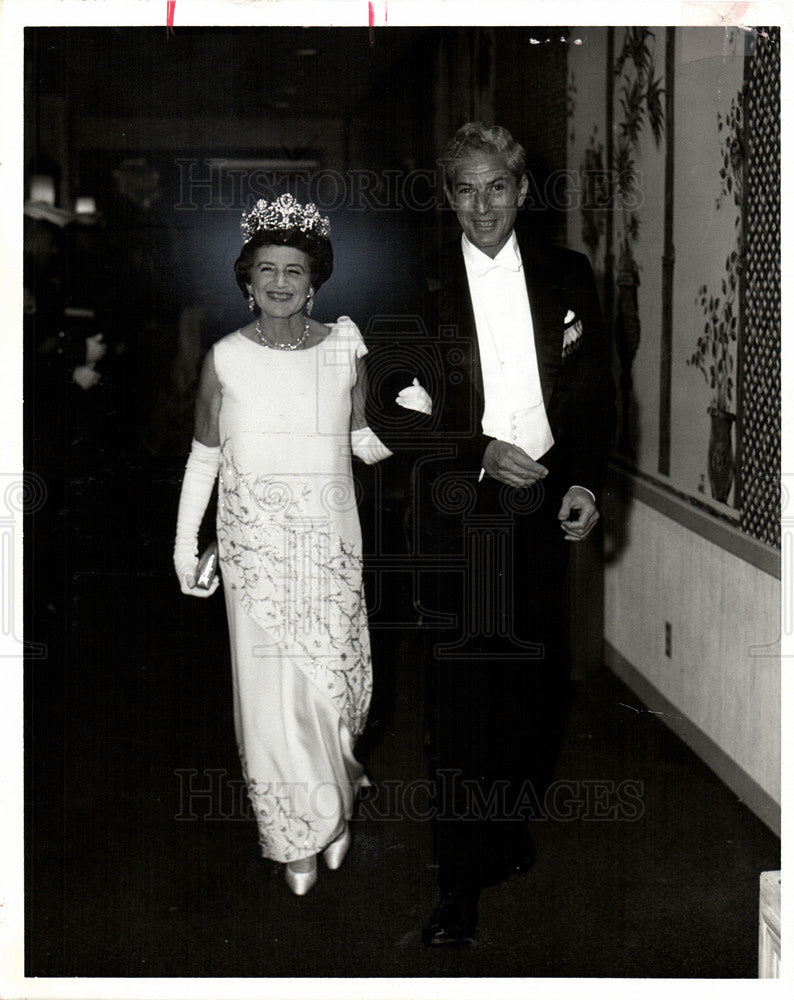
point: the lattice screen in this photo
(760, 369)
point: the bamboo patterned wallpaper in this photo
(682, 126)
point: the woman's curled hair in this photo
(317, 248)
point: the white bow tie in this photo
(482, 267)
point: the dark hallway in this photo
(141, 855)
(141, 861)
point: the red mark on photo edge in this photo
(371, 7)
(169, 16)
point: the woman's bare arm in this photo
(208, 404)
(358, 417)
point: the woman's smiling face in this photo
(280, 280)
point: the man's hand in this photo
(95, 349)
(510, 464)
(86, 376)
(578, 514)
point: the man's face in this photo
(486, 199)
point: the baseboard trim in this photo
(736, 778)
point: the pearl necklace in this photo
(280, 345)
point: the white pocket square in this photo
(572, 334)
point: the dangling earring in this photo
(310, 302)
(251, 303)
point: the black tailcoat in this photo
(489, 558)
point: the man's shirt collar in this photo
(480, 263)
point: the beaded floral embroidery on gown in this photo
(289, 543)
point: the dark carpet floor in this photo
(141, 859)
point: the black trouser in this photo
(495, 695)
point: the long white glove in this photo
(201, 472)
(415, 397)
(366, 445)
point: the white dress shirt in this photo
(514, 410)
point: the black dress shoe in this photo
(453, 920)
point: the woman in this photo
(276, 405)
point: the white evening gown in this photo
(289, 544)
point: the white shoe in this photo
(335, 853)
(301, 876)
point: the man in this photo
(510, 469)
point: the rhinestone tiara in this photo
(284, 213)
